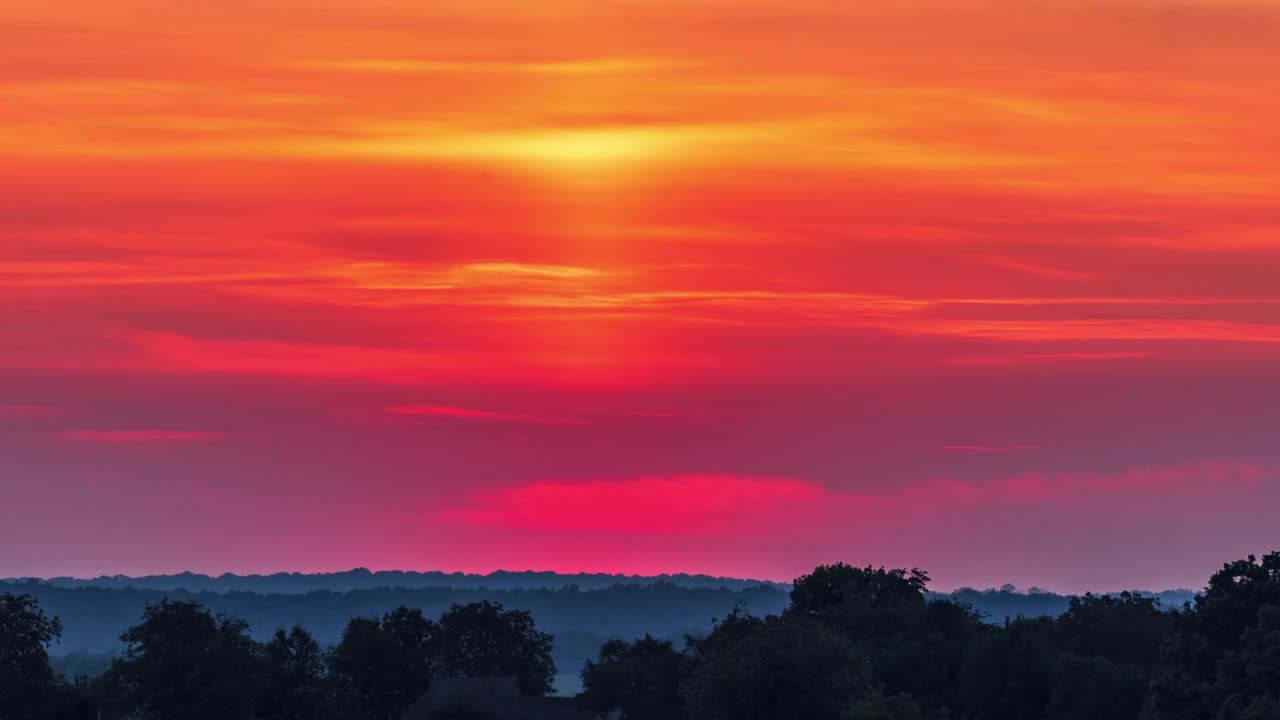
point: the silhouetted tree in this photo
(841, 585)
(775, 669)
(29, 689)
(640, 679)
(916, 645)
(1125, 628)
(481, 639)
(1095, 688)
(896, 707)
(1008, 671)
(1202, 663)
(381, 665)
(294, 687)
(183, 663)
(1249, 676)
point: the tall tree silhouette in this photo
(28, 686)
(917, 645)
(482, 639)
(776, 668)
(640, 679)
(295, 676)
(183, 663)
(1220, 662)
(382, 665)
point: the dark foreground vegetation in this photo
(853, 644)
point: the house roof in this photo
(497, 698)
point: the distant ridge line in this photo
(365, 579)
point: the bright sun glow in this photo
(550, 149)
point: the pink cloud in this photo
(966, 532)
(447, 411)
(1039, 270)
(986, 448)
(1092, 329)
(1178, 479)
(1029, 358)
(33, 412)
(727, 505)
(125, 437)
(537, 362)
(684, 505)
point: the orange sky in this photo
(476, 267)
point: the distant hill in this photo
(1005, 604)
(362, 579)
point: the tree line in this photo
(182, 662)
(868, 644)
(853, 644)
(93, 617)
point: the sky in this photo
(983, 287)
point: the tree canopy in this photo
(481, 639)
(641, 679)
(28, 686)
(183, 663)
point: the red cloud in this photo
(756, 508)
(1046, 358)
(124, 437)
(687, 504)
(986, 448)
(448, 411)
(33, 412)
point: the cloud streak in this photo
(136, 437)
(682, 505)
(986, 448)
(448, 411)
(1014, 521)
(10, 411)
(726, 504)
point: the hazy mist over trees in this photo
(583, 610)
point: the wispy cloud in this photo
(170, 270)
(591, 66)
(530, 361)
(686, 504)
(34, 412)
(1039, 270)
(728, 505)
(448, 411)
(130, 437)
(1128, 329)
(1033, 358)
(986, 448)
